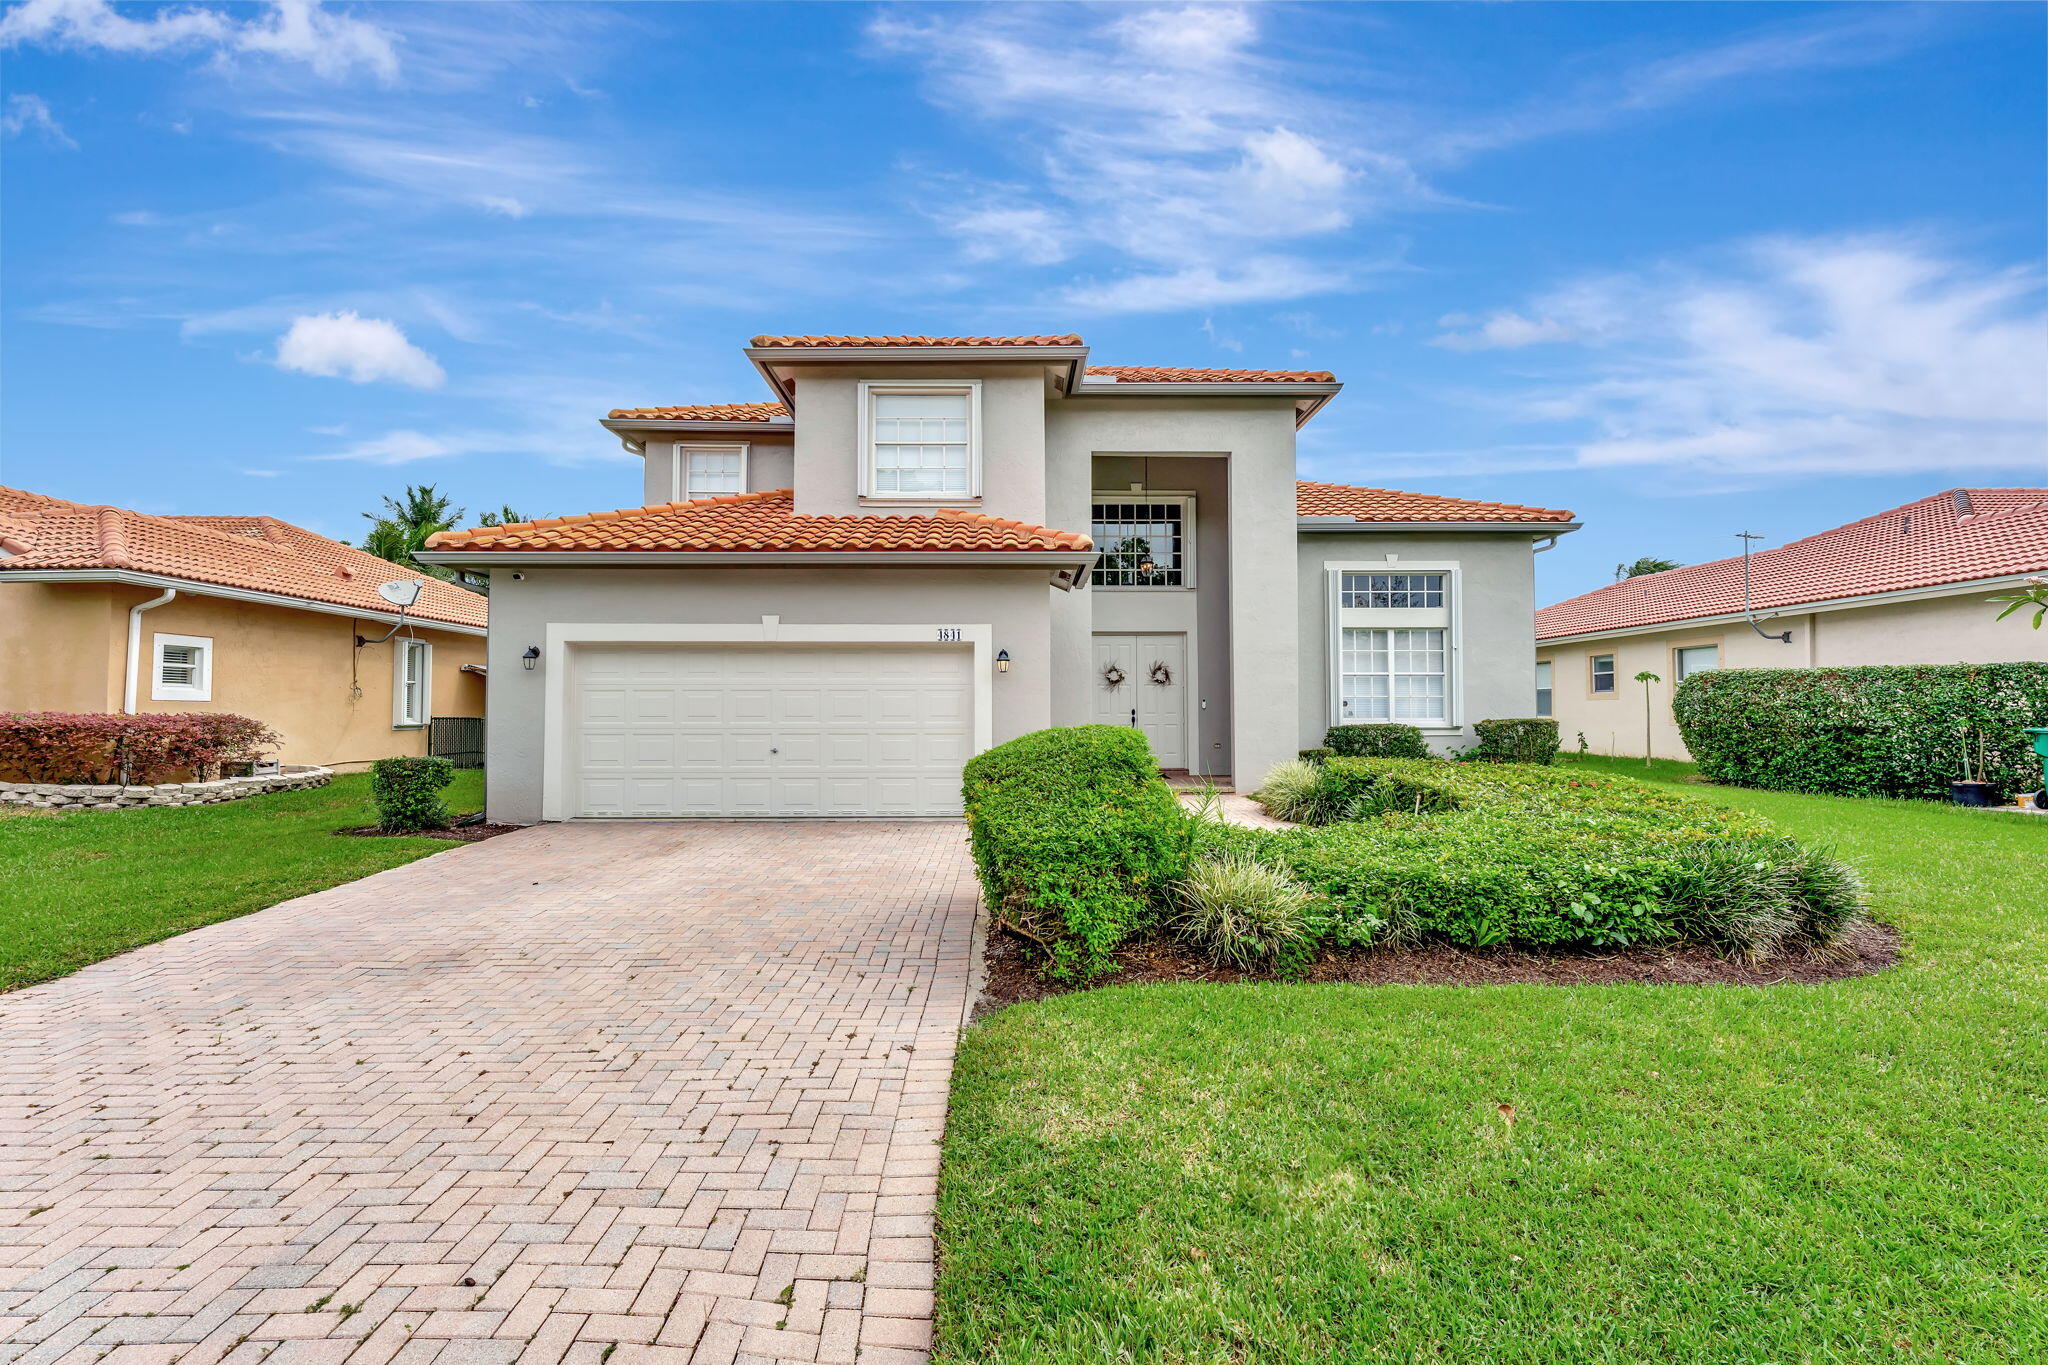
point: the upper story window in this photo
(709, 471)
(183, 669)
(412, 683)
(1393, 591)
(922, 441)
(1142, 544)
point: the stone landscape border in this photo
(100, 796)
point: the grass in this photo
(1855, 1171)
(83, 886)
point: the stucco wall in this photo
(1492, 622)
(771, 461)
(1942, 630)
(66, 651)
(1252, 440)
(1015, 603)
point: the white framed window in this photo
(1545, 698)
(1143, 541)
(1394, 643)
(1695, 659)
(181, 668)
(1600, 675)
(920, 442)
(708, 471)
(412, 684)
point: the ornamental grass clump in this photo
(1293, 791)
(1245, 914)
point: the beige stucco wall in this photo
(63, 647)
(1959, 628)
(1014, 603)
(771, 460)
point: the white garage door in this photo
(755, 730)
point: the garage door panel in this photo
(705, 730)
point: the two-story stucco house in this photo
(926, 545)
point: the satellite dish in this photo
(401, 592)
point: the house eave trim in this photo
(998, 559)
(1072, 360)
(1353, 526)
(705, 425)
(1781, 610)
(203, 589)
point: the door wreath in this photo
(1162, 676)
(1112, 677)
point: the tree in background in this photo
(1647, 564)
(402, 529)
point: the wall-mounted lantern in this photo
(530, 657)
(1002, 661)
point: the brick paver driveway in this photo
(582, 1093)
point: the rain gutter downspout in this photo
(128, 688)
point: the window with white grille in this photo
(1141, 544)
(182, 668)
(412, 679)
(1394, 675)
(710, 471)
(1393, 591)
(921, 441)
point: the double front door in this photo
(1141, 680)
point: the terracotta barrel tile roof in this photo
(761, 523)
(1388, 504)
(1160, 374)
(1069, 339)
(259, 554)
(1951, 537)
(708, 412)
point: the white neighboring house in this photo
(1910, 585)
(926, 545)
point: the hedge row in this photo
(1873, 731)
(1076, 837)
(96, 747)
(1479, 855)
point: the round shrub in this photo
(1379, 740)
(1245, 913)
(408, 793)
(1531, 739)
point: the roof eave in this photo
(673, 558)
(201, 588)
(1310, 396)
(1073, 359)
(1341, 525)
(703, 424)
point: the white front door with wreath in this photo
(1140, 680)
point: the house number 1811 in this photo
(949, 635)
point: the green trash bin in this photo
(2040, 737)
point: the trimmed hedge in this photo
(1526, 740)
(1378, 740)
(97, 747)
(1486, 854)
(408, 793)
(1077, 839)
(1870, 731)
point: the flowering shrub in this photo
(60, 746)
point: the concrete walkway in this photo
(673, 1089)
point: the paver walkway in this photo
(673, 1089)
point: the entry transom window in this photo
(1141, 544)
(1393, 591)
(1393, 675)
(411, 683)
(920, 441)
(183, 669)
(710, 471)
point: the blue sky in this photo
(1686, 269)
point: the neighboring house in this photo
(927, 545)
(1907, 586)
(104, 609)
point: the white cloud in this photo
(1871, 355)
(301, 31)
(362, 350)
(1273, 277)
(25, 113)
(1503, 331)
(400, 447)
(1013, 232)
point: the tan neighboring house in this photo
(107, 610)
(1907, 586)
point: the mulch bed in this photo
(1013, 975)
(454, 834)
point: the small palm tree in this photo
(1646, 677)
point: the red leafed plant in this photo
(59, 746)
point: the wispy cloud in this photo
(1505, 330)
(31, 114)
(297, 31)
(1864, 355)
(359, 349)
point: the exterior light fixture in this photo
(530, 657)
(1002, 661)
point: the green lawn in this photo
(1853, 1171)
(76, 888)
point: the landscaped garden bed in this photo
(1407, 869)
